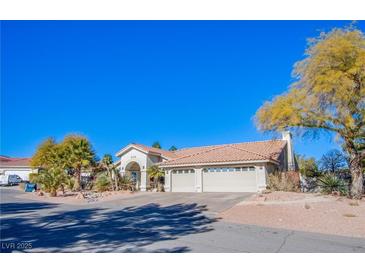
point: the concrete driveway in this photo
(148, 222)
(213, 202)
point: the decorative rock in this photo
(261, 199)
(80, 196)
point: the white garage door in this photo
(183, 180)
(229, 179)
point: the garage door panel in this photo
(240, 181)
(184, 182)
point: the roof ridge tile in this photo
(249, 142)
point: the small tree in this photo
(172, 148)
(57, 161)
(52, 179)
(49, 154)
(333, 161)
(308, 167)
(156, 145)
(155, 173)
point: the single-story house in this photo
(15, 166)
(240, 167)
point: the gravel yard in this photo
(303, 212)
(78, 198)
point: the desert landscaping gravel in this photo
(303, 212)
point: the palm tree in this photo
(79, 155)
(156, 173)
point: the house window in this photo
(237, 169)
(180, 171)
(245, 168)
(205, 170)
(251, 168)
(224, 169)
(217, 169)
(192, 171)
(174, 171)
(231, 169)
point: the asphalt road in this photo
(149, 222)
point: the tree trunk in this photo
(77, 186)
(53, 193)
(357, 176)
(115, 179)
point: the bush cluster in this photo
(284, 181)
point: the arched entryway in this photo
(133, 171)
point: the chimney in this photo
(286, 136)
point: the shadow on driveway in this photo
(16, 208)
(98, 230)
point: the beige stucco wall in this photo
(144, 161)
(134, 155)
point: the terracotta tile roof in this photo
(241, 152)
(14, 162)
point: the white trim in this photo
(131, 146)
(125, 149)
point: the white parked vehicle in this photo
(10, 180)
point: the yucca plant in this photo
(126, 183)
(330, 183)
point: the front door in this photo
(134, 176)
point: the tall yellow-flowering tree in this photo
(328, 94)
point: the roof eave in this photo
(120, 152)
(163, 165)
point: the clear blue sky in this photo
(183, 83)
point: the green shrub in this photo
(70, 183)
(51, 180)
(330, 183)
(126, 183)
(284, 181)
(102, 183)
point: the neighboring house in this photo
(15, 166)
(242, 167)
